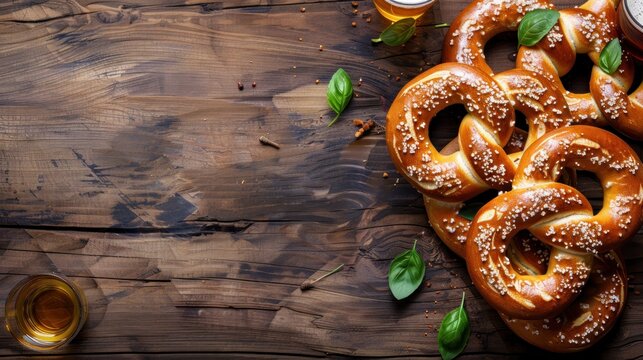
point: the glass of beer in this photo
(45, 312)
(395, 10)
(631, 25)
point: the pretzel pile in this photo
(536, 252)
(583, 30)
(561, 217)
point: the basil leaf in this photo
(406, 273)
(454, 332)
(610, 58)
(397, 33)
(469, 211)
(535, 25)
(339, 93)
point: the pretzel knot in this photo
(588, 318)
(584, 30)
(481, 163)
(558, 215)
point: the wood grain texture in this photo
(130, 162)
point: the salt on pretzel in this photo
(493, 228)
(558, 215)
(580, 30)
(617, 167)
(444, 216)
(588, 318)
(544, 108)
(481, 162)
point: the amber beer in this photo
(395, 10)
(45, 312)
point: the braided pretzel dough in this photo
(580, 30)
(525, 296)
(557, 214)
(545, 109)
(588, 318)
(617, 167)
(481, 163)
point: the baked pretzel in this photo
(544, 108)
(509, 292)
(617, 167)
(588, 318)
(560, 216)
(580, 30)
(481, 162)
(444, 216)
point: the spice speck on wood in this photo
(365, 126)
(254, 84)
(264, 140)
(354, 4)
(354, 24)
(239, 85)
(385, 176)
(321, 47)
(303, 9)
(317, 81)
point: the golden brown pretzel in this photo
(588, 318)
(495, 225)
(544, 108)
(617, 167)
(580, 30)
(481, 162)
(478, 23)
(558, 215)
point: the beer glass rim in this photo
(409, 3)
(630, 15)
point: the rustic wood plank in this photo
(131, 163)
(125, 146)
(211, 290)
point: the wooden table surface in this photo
(130, 162)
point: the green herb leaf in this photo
(610, 58)
(397, 33)
(406, 273)
(535, 25)
(454, 332)
(469, 211)
(339, 93)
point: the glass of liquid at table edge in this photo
(630, 20)
(44, 312)
(395, 10)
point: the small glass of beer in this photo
(395, 10)
(44, 312)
